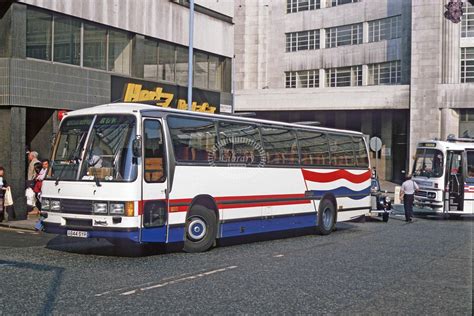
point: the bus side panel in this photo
(468, 198)
(350, 187)
(250, 200)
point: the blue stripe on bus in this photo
(258, 225)
(131, 235)
(342, 192)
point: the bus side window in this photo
(153, 152)
(193, 139)
(314, 148)
(362, 158)
(281, 145)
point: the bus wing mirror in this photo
(137, 146)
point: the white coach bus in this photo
(444, 170)
(153, 175)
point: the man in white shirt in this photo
(407, 193)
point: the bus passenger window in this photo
(362, 158)
(193, 139)
(280, 145)
(342, 152)
(314, 148)
(153, 152)
(239, 144)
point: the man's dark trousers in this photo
(408, 205)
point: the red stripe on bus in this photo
(335, 175)
(251, 201)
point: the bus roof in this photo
(133, 108)
(445, 145)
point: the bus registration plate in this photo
(76, 233)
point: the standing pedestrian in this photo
(6, 210)
(3, 188)
(407, 194)
(32, 160)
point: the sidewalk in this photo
(27, 224)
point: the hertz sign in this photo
(163, 95)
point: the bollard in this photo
(396, 196)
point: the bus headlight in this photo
(45, 204)
(431, 195)
(100, 208)
(55, 206)
(116, 208)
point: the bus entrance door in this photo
(454, 181)
(154, 197)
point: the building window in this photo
(215, 72)
(302, 79)
(466, 123)
(182, 65)
(305, 40)
(385, 29)
(308, 78)
(385, 73)
(293, 6)
(38, 35)
(333, 3)
(467, 64)
(166, 65)
(150, 61)
(467, 26)
(290, 81)
(201, 70)
(344, 76)
(119, 52)
(95, 47)
(344, 35)
(67, 40)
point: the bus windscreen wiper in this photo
(72, 157)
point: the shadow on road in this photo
(52, 291)
(105, 248)
(100, 247)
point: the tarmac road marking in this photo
(125, 288)
(278, 256)
(188, 278)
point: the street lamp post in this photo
(190, 55)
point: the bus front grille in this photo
(421, 193)
(74, 222)
(76, 206)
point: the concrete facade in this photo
(428, 50)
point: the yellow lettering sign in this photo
(135, 93)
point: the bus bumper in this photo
(131, 234)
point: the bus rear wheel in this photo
(326, 217)
(200, 229)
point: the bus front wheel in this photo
(326, 218)
(201, 229)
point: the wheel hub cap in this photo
(197, 229)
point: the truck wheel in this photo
(200, 229)
(326, 217)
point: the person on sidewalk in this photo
(32, 161)
(6, 212)
(407, 195)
